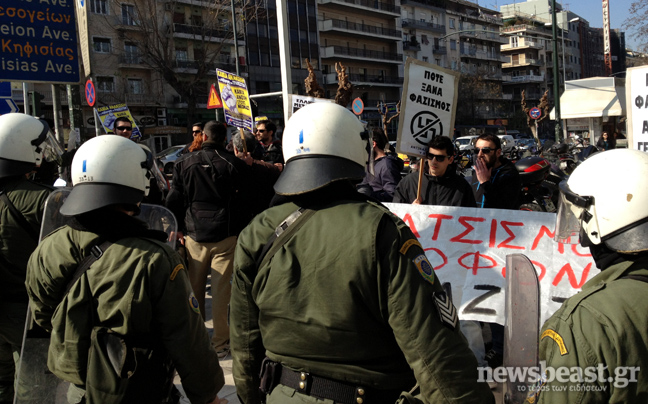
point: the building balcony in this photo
(522, 45)
(223, 62)
(524, 79)
(476, 15)
(508, 97)
(439, 50)
(428, 26)
(411, 47)
(344, 52)
(366, 79)
(371, 31)
(129, 99)
(525, 62)
(197, 32)
(435, 5)
(486, 36)
(364, 6)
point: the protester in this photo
(21, 211)
(335, 292)
(209, 191)
(265, 132)
(600, 335)
(114, 296)
(387, 168)
(196, 132)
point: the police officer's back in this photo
(344, 303)
(21, 211)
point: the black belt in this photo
(340, 392)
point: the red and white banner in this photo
(468, 247)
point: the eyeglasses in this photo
(485, 150)
(124, 128)
(261, 130)
(196, 131)
(439, 158)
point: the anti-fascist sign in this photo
(637, 106)
(468, 247)
(299, 101)
(38, 41)
(109, 114)
(236, 101)
(428, 106)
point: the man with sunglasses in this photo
(272, 151)
(123, 127)
(441, 185)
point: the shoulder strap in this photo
(19, 217)
(282, 233)
(641, 278)
(96, 252)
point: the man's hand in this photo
(218, 401)
(279, 166)
(178, 237)
(417, 201)
(483, 173)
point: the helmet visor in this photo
(572, 210)
(52, 150)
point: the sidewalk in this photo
(228, 391)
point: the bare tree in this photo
(476, 90)
(638, 22)
(184, 44)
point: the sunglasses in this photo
(485, 150)
(439, 158)
(124, 128)
(261, 130)
(196, 131)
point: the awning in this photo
(591, 102)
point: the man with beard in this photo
(272, 153)
(496, 185)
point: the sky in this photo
(591, 10)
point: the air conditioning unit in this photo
(168, 6)
(162, 122)
(161, 112)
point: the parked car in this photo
(465, 142)
(507, 143)
(167, 157)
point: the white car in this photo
(465, 142)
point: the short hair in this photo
(199, 124)
(250, 141)
(122, 119)
(489, 137)
(379, 137)
(216, 132)
(269, 125)
(442, 143)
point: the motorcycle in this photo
(540, 179)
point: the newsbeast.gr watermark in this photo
(619, 377)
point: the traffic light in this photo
(36, 101)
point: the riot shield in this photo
(35, 384)
(522, 325)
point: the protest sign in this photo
(235, 99)
(299, 101)
(637, 103)
(468, 247)
(428, 106)
(110, 113)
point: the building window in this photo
(425, 58)
(453, 45)
(135, 86)
(101, 45)
(129, 16)
(105, 84)
(452, 23)
(99, 6)
(182, 55)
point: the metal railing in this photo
(369, 29)
(363, 53)
(411, 23)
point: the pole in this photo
(25, 99)
(238, 73)
(56, 107)
(284, 56)
(556, 86)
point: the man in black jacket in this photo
(387, 171)
(209, 188)
(441, 185)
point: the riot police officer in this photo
(595, 347)
(135, 292)
(21, 210)
(342, 299)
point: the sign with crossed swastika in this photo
(428, 106)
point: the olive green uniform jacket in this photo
(141, 289)
(344, 299)
(603, 330)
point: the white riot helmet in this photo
(107, 170)
(322, 142)
(604, 207)
(21, 139)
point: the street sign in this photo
(90, 93)
(535, 113)
(357, 106)
(214, 101)
(7, 104)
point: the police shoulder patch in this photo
(193, 302)
(447, 310)
(424, 267)
(557, 339)
(406, 245)
(175, 271)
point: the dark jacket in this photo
(273, 153)
(449, 190)
(387, 175)
(208, 190)
(502, 191)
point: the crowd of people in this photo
(308, 311)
